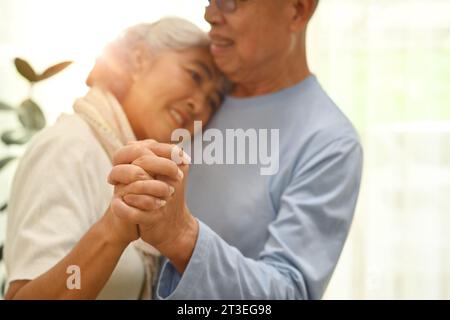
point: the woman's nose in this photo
(191, 106)
(212, 14)
(195, 104)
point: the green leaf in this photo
(24, 68)
(5, 107)
(4, 207)
(50, 72)
(17, 137)
(31, 116)
(5, 161)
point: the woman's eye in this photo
(196, 77)
(212, 104)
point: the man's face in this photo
(246, 39)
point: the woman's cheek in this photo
(206, 116)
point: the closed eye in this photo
(196, 77)
(213, 104)
(215, 101)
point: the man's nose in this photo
(213, 15)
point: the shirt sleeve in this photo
(304, 244)
(52, 196)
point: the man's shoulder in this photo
(318, 116)
(317, 129)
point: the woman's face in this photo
(173, 90)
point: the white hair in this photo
(167, 34)
(163, 35)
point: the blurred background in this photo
(386, 63)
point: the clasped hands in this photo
(149, 181)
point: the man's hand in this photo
(150, 190)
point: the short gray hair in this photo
(169, 33)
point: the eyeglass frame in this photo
(223, 8)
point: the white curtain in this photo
(387, 64)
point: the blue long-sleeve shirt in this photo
(273, 236)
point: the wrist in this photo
(107, 227)
(180, 250)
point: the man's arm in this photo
(304, 244)
(302, 250)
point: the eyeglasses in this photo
(227, 6)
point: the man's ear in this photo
(302, 11)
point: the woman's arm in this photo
(96, 255)
(49, 226)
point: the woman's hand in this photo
(135, 165)
(157, 206)
(131, 187)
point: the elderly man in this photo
(257, 236)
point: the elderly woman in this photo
(62, 235)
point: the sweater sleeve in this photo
(304, 244)
(51, 203)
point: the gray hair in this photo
(166, 34)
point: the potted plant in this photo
(30, 115)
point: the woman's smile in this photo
(180, 117)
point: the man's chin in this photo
(225, 66)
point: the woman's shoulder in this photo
(69, 135)
(63, 160)
(67, 128)
(67, 146)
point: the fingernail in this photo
(160, 203)
(171, 190)
(180, 174)
(186, 158)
